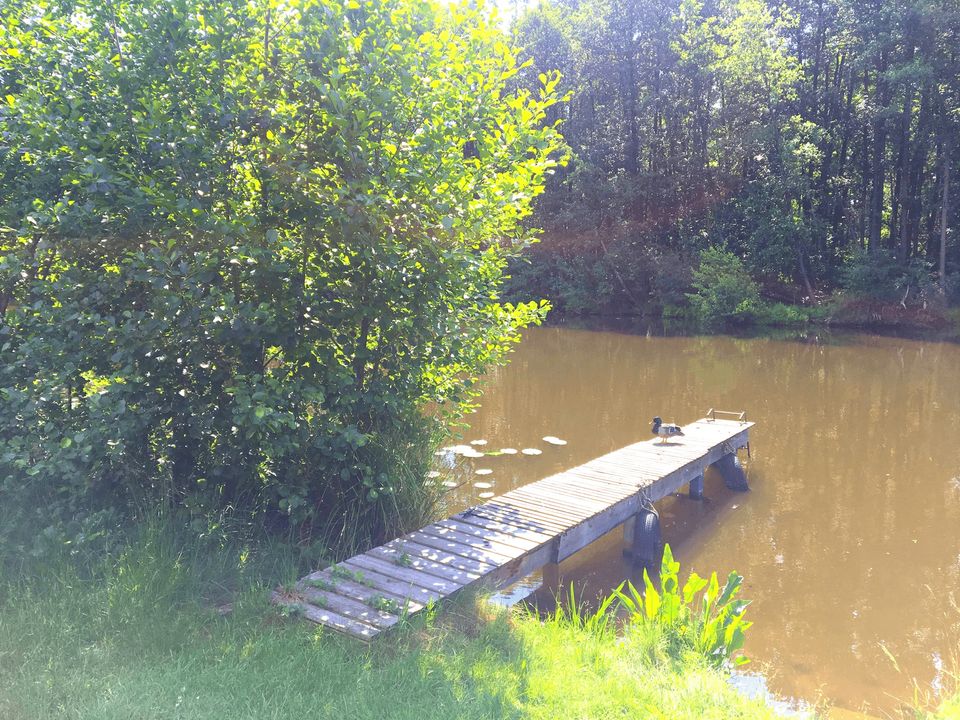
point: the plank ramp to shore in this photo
(513, 535)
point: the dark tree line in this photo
(812, 138)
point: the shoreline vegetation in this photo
(74, 650)
(252, 264)
(836, 314)
(720, 295)
(164, 629)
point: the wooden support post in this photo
(732, 472)
(551, 578)
(646, 543)
(696, 487)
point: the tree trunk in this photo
(878, 176)
(912, 211)
(944, 212)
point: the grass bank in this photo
(161, 631)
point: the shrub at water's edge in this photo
(243, 251)
(724, 293)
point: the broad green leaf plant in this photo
(244, 246)
(701, 614)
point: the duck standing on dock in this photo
(665, 430)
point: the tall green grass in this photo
(142, 634)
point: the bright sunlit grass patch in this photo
(142, 638)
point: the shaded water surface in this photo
(850, 536)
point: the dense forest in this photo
(812, 139)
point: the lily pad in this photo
(483, 485)
(472, 454)
(483, 471)
(486, 495)
(532, 451)
(508, 451)
(478, 442)
(554, 440)
(450, 483)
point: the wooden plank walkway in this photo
(512, 535)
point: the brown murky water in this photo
(850, 536)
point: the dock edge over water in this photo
(532, 527)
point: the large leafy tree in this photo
(246, 244)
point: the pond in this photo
(850, 536)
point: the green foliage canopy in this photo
(794, 134)
(725, 292)
(244, 244)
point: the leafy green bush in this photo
(952, 289)
(725, 292)
(879, 276)
(626, 272)
(783, 315)
(712, 624)
(579, 284)
(243, 245)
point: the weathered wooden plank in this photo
(357, 591)
(557, 520)
(517, 569)
(575, 474)
(416, 552)
(413, 576)
(545, 508)
(396, 587)
(516, 516)
(348, 608)
(493, 546)
(627, 481)
(648, 458)
(671, 483)
(649, 479)
(469, 550)
(579, 494)
(331, 619)
(606, 486)
(518, 529)
(586, 532)
(578, 487)
(554, 500)
(497, 533)
(538, 493)
(650, 463)
(603, 486)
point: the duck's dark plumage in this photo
(665, 430)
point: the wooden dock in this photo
(522, 531)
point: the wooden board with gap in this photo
(511, 535)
